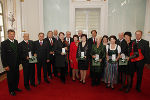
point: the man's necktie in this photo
(41, 43)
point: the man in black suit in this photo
(26, 50)
(42, 53)
(92, 41)
(10, 61)
(142, 60)
(69, 40)
(51, 42)
(121, 42)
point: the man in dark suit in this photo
(121, 42)
(92, 41)
(10, 61)
(142, 60)
(26, 50)
(51, 42)
(69, 40)
(42, 53)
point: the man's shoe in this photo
(12, 93)
(18, 90)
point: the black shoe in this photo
(127, 90)
(112, 88)
(50, 76)
(34, 85)
(73, 80)
(47, 81)
(121, 88)
(12, 93)
(139, 90)
(83, 82)
(80, 81)
(28, 88)
(18, 90)
(107, 86)
(93, 84)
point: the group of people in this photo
(109, 59)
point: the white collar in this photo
(26, 41)
(50, 39)
(11, 40)
(121, 40)
(40, 41)
(138, 40)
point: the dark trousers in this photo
(139, 66)
(96, 76)
(39, 66)
(62, 74)
(55, 69)
(49, 67)
(13, 79)
(29, 73)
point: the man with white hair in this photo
(26, 50)
(80, 32)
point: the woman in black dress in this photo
(130, 53)
(83, 57)
(60, 56)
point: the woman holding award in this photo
(83, 57)
(60, 56)
(98, 54)
(112, 55)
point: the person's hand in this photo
(35, 55)
(27, 58)
(84, 56)
(7, 68)
(128, 58)
(62, 54)
(66, 48)
(71, 61)
(52, 52)
(93, 56)
(48, 60)
(100, 60)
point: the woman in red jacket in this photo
(72, 57)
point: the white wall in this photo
(32, 17)
(56, 15)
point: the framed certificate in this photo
(95, 62)
(33, 60)
(123, 62)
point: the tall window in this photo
(1, 23)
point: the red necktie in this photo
(41, 43)
(27, 42)
(51, 42)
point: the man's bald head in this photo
(121, 35)
(26, 36)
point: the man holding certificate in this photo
(26, 51)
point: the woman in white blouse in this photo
(112, 55)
